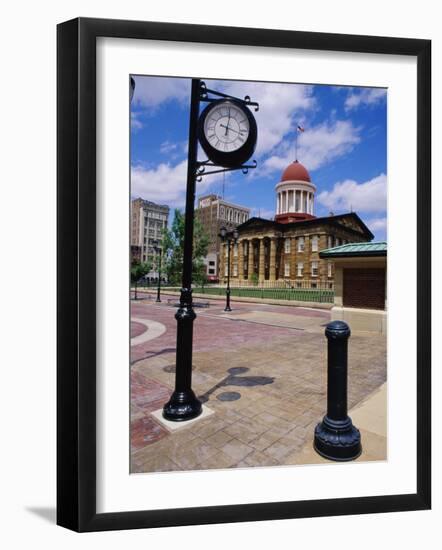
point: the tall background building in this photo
(148, 220)
(214, 213)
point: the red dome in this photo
(295, 172)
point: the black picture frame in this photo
(76, 273)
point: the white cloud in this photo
(317, 146)
(377, 224)
(174, 150)
(135, 122)
(166, 183)
(281, 106)
(365, 96)
(167, 147)
(152, 91)
(370, 196)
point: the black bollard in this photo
(335, 437)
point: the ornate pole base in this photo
(337, 440)
(182, 406)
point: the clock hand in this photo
(224, 126)
(227, 127)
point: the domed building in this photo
(295, 195)
(286, 249)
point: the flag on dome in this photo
(301, 128)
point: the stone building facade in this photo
(286, 250)
(214, 213)
(148, 220)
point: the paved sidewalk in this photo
(261, 369)
(369, 417)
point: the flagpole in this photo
(296, 143)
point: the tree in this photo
(173, 247)
(254, 279)
(137, 270)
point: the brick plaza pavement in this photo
(261, 369)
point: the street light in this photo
(183, 404)
(158, 252)
(228, 237)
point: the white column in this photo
(277, 203)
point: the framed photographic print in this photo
(243, 219)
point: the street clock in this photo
(227, 132)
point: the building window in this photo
(329, 269)
(226, 251)
(299, 269)
(315, 243)
(225, 270)
(235, 250)
(211, 271)
(221, 212)
(287, 246)
(329, 241)
(287, 269)
(235, 270)
(314, 269)
(301, 244)
(211, 262)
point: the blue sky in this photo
(344, 146)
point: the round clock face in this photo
(227, 132)
(226, 127)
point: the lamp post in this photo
(158, 252)
(228, 238)
(183, 403)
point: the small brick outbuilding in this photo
(360, 285)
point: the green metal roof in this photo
(355, 249)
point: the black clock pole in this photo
(183, 404)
